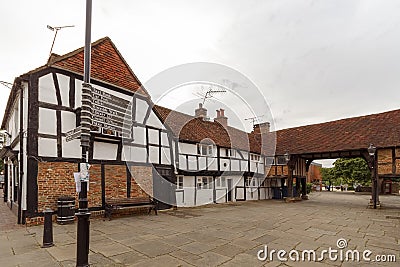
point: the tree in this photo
(352, 171)
(328, 175)
(1, 166)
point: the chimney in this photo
(261, 128)
(221, 119)
(201, 112)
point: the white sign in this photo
(73, 134)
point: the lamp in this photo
(371, 150)
(287, 157)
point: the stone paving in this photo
(218, 235)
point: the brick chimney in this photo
(221, 119)
(200, 112)
(261, 128)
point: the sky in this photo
(313, 60)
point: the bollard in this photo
(48, 229)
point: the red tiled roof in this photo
(107, 65)
(382, 130)
(192, 129)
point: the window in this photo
(255, 157)
(179, 182)
(220, 182)
(205, 150)
(231, 153)
(204, 183)
(269, 161)
(280, 160)
(251, 182)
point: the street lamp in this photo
(290, 174)
(371, 152)
(287, 157)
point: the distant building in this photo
(314, 173)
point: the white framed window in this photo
(220, 182)
(231, 152)
(179, 182)
(255, 157)
(205, 150)
(204, 183)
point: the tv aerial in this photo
(56, 29)
(254, 119)
(209, 93)
(6, 84)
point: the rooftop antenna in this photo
(6, 84)
(254, 119)
(209, 93)
(56, 29)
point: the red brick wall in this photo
(94, 194)
(314, 173)
(55, 179)
(115, 181)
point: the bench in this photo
(113, 204)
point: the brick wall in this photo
(55, 179)
(384, 161)
(142, 181)
(94, 193)
(115, 178)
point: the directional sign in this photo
(73, 134)
(109, 114)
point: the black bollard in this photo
(48, 229)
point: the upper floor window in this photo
(231, 153)
(280, 160)
(255, 157)
(205, 150)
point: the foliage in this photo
(1, 165)
(348, 171)
(309, 186)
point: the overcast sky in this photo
(314, 60)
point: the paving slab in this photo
(221, 235)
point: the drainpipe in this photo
(21, 152)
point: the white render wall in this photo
(102, 150)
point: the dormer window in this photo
(205, 150)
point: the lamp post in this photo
(372, 156)
(82, 244)
(288, 159)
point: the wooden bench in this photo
(113, 204)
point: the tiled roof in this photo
(107, 65)
(382, 130)
(192, 129)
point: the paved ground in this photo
(219, 235)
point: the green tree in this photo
(351, 171)
(328, 175)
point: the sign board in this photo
(109, 113)
(73, 134)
